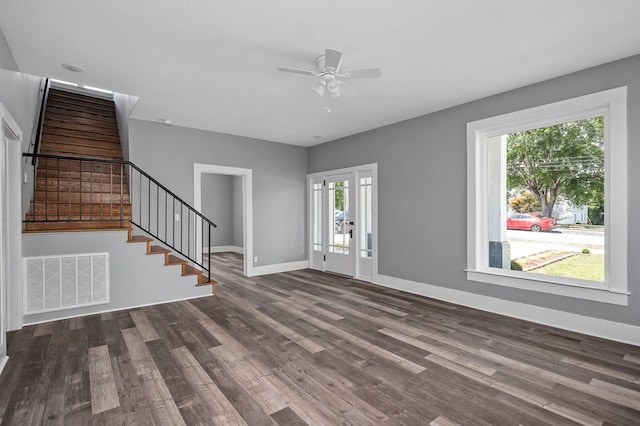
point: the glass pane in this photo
(546, 200)
(365, 217)
(338, 201)
(317, 217)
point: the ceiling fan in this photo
(331, 82)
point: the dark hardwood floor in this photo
(309, 348)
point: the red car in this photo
(530, 221)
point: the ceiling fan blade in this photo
(296, 70)
(364, 73)
(332, 59)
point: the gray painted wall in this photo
(136, 278)
(236, 206)
(217, 205)
(422, 187)
(7, 60)
(20, 94)
(279, 178)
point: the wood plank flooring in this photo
(306, 348)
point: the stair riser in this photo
(53, 166)
(81, 114)
(54, 137)
(88, 128)
(80, 151)
(56, 134)
(74, 177)
(54, 118)
(64, 197)
(74, 210)
(62, 185)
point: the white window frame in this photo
(612, 104)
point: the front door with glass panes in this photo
(339, 221)
(342, 206)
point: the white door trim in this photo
(11, 297)
(371, 168)
(247, 205)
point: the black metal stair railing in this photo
(77, 189)
(40, 125)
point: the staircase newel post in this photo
(209, 262)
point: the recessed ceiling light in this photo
(316, 137)
(165, 121)
(74, 67)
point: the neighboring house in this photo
(566, 213)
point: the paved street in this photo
(525, 243)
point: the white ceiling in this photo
(212, 64)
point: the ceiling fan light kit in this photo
(331, 81)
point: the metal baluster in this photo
(121, 197)
(111, 184)
(209, 262)
(157, 210)
(58, 182)
(46, 189)
(80, 162)
(92, 164)
(34, 163)
(69, 216)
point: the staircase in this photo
(171, 260)
(81, 184)
(74, 195)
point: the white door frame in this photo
(357, 170)
(247, 206)
(10, 155)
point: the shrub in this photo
(515, 266)
(586, 251)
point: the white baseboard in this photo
(220, 249)
(278, 267)
(606, 329)
(86, 314)
(3, 362)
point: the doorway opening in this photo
(236, 184)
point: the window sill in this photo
(542, 285)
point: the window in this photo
(535, 177)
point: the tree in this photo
(564, 159)
(526, 203)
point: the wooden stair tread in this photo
(139, 239)
(158, 250)
(85, 226)
(175, 260)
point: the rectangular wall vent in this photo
(54, 283)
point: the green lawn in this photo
(581, 266)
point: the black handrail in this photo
(43, 104)
(147, 204)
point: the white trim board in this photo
(247, 206)
(280, 267)
(221, 249)
(605, 329)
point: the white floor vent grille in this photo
(62, 282)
